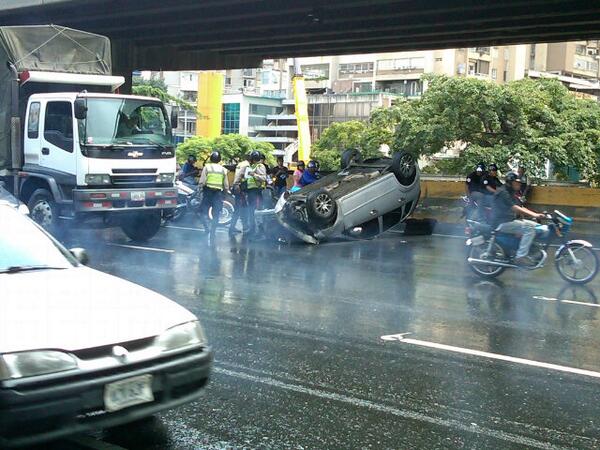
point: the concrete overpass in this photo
(218, 34)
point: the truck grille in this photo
(132, 180)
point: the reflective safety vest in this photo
(215, 176)
(253, 183)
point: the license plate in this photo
(129, 392)
(138, 196)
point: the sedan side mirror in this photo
(80, 255)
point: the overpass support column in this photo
(123, 63)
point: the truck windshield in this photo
(124, 121)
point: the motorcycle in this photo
(491, 252)
(189, 198)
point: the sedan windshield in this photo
(23, 246)
(124, 121)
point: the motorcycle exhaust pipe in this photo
(489, 263)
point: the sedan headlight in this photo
(181, 336)
(97, 179)
(165, 178)
(39, 362)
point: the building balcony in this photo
(273, 128)
(274, 139)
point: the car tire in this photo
(142, 226)
(350, 156)
(404, 167)
(44, 210)
(321, 207)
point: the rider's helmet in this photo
(254, 156)
(480, 168)
(493, 167)
(215, 157)
(312, 164)
(192, 159)
(512, 176)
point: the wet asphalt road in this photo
(300, 362)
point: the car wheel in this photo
(350, 156)
(43, 210)
(141, 226)
(404, 167)
(321, 206)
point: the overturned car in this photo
(363, 200)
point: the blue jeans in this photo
(523, 228)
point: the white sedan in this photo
(80, 349)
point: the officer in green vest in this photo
(255, 178)
(215, 183)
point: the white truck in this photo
(70, 147)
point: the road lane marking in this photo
(468, 351)
(403, 413)
(561, 300)
(137, 247)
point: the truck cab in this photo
(98, 153)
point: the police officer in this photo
(255, 177)
(474, 181)
(214, 182)
(490, 180)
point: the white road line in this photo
(467, 351)
(137, 247)
(406, 414)
(219, 230)
(561, 300)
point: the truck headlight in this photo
(165, 178)
(181, 336)
(38, 362)
(97, 179)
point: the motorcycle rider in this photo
(505, 207)
(214, 182)
(255, 178)
(310, 175)
(189, 172)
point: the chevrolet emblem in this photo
(135, 154)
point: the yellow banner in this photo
(301, 103)
(210, 100)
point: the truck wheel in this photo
(141, 226)
(404, 167)
(321, 206)
(43, 210)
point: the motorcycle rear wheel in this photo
(480, 252)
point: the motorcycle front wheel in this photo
(481, 252)
(579, 265)
(226, 213)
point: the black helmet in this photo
(254, 156)
(192, 158)
(262, 155)
(512, 176)
(493, 167)
(215, 157)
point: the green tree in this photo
(233, 148)
(157, 88)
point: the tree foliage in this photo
(526, 121)
(158, 89)
(233, 148)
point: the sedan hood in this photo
(79, 308)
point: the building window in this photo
(505, 76)
(479, 67)
(249, 72)
(231, 118)
(580, 49)
(582, 64)
(316, 72)
(365, 68)
(249, 83)
(407, 88)
(401, 64)
(494, 74)
(362, 87)
(262, 110)
(227, 81)
(438, 59)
